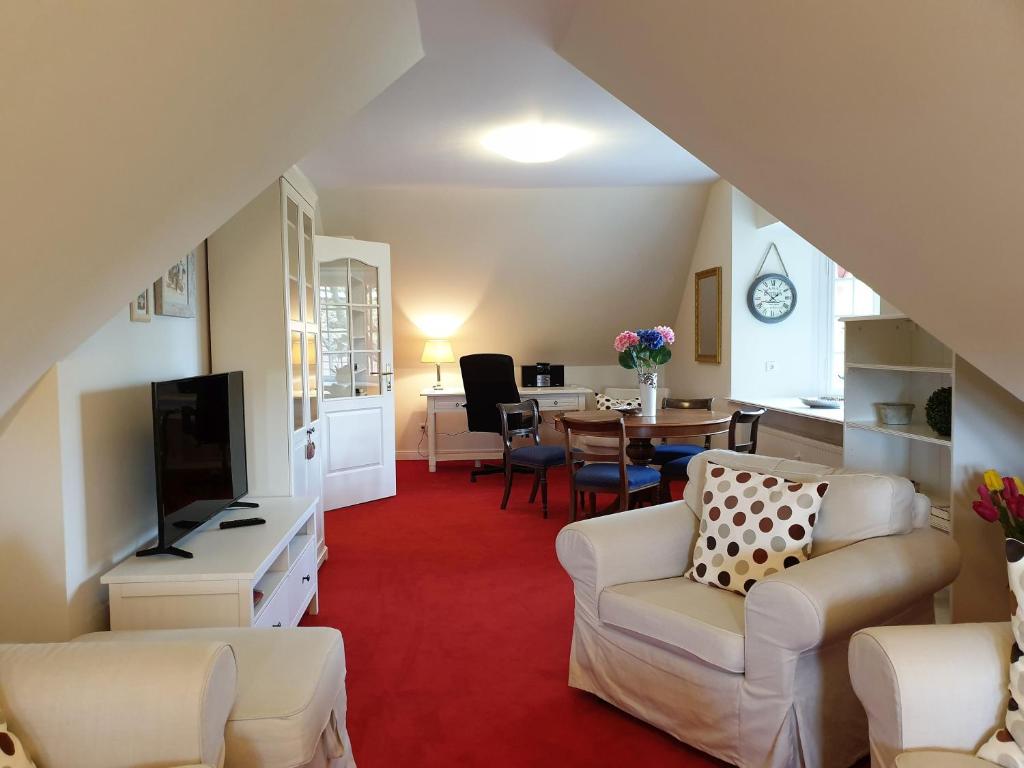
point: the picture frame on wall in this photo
(174, 294)
(140, 310)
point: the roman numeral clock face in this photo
(771, 298)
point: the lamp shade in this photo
(437, 351)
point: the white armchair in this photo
(933, 695)
(193, 698)
(761, 681)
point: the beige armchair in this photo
(933, 695)
(761, 681)
(198, 698)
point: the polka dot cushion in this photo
(605, 403)
(12, 754)
(753, 525)
(1003, 748)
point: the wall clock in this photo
(772, 295)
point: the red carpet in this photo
(457, 620)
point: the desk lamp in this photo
(437, 351)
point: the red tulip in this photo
(984, 507)
(985, 511)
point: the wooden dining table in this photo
(667, 422)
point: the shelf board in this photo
(905, 368)
(921, 432)
(858, 318)
(268, 585)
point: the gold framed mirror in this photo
(708, 315)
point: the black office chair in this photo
(488, 380)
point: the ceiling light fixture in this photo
(535, 142)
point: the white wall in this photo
(734, 235)
(540, 274)
(107, 441)
(135, 129)
(32, 580)
(714, 249)
(77, 472)
(880, 131)
(795, 345)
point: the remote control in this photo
(244, 522)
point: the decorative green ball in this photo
(938, 411)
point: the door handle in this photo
(311, 430)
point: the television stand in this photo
(257, 576)
(243, 505)
(164, 551)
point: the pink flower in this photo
(666, 333)
(625, 340)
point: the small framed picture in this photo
(139, 311)
(174, 294)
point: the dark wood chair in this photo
(522, 420)
(488, 379)
(667, 452)
(594, 469)
(677, 469)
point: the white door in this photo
(358, 398)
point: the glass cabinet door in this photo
(298, 414)
(312, 371)
(308, 270)
(292, 240)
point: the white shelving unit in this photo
(263, 285)
(889, 358)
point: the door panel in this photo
(354, 454)
(357, 401)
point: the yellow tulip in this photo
(993, 481)
(1019, 483)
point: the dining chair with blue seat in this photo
(667, 452)
(523, 420)
(676, 469)
(594, 470)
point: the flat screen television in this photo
(199, 445)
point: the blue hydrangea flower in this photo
(651, 339)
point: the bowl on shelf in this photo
(895, 414)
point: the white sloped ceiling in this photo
(131, 130)
(887, 134)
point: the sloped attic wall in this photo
(132, 130)
(886, 134)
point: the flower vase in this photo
(648, 394)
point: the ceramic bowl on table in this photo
(895, 414)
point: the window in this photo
(849, 297)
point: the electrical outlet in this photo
(769, 366)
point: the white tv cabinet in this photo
(216, 587)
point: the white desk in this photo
(442, 400)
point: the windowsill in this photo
(794, 406)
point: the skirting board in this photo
(451, 455)
(771, 442)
